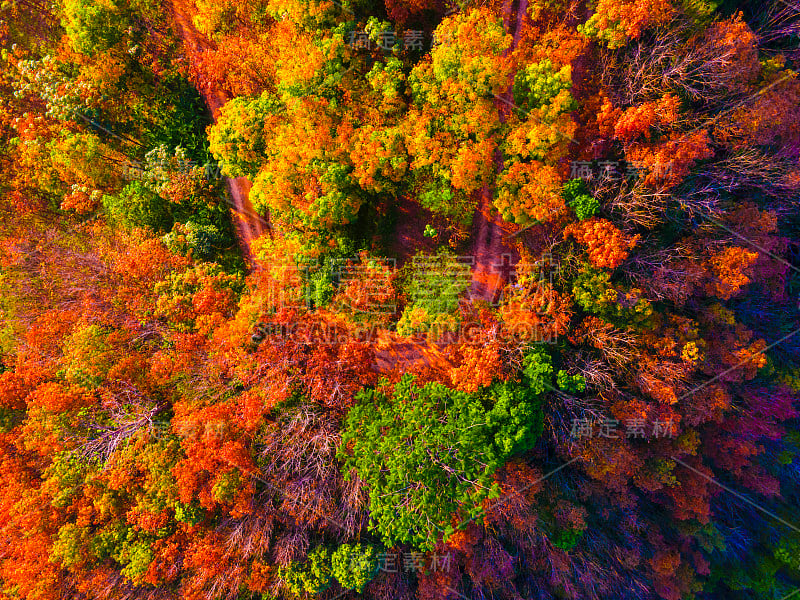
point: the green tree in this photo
(93, 25)
(311, 577)
(572, 384)
(354, 565)
(240, 137)
(138, 206)
(576, 194)
(427, 453)
(594, 292)
(538, 83)
(434, 286)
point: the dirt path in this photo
(249, 224)
(488, 228)
(492, 255)
(393, 352)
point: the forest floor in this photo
(488, 247)
(489, 230)
(249, 224)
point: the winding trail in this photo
(249, 224)
(489, 231)
(493, 256)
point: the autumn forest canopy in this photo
(399, 299)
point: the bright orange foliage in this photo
(479, 365)
(607, 246)
(728, 267)
(617, 21)
(637, 120)
(530, 192)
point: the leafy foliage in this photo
(94, 26)
(138, 206)
(311, 577)
(539, 83)
(354, 565)
(452, 444)
(576, 194)
(266, 376)
(435, 284)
